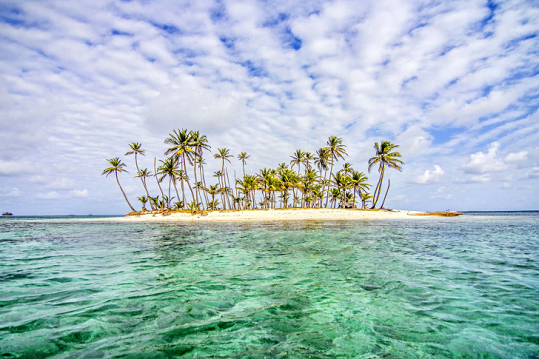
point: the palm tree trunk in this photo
(142, 180)
(169, 185)
(147, 193)
(388, 185)
(155, 174)
(196, 185)
(379, 188)
(330, 173)
(203, 181)
(187, 178)
(229, 186)
(121, 189)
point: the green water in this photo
(464, 287)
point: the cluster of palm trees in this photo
(308, 181)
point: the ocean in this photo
(464, 287)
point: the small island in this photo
(7, 214)
(308, 187)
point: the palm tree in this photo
(224, 154)
(181, 149)
(359, 183)
(343, 182)
(297, 159)
(307, 158)
(384, 157)
(247, 186)
(168, 168)
(193, 206)
(336, 151)
(347, 168)
(322, 162)
(213, 190)
(335, 195)
(243, 156)
(143, 174)
(116, 165)
(143, 200)
(154, 201)
(198, 143)
(364, 198)
(157, 179)
(136, 149)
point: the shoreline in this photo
(272, 215)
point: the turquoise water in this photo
(465, 287)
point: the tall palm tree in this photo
(384, 157)
(181, 150)
(168, 169)
(336, 151)
(116, 165)
(199, 143)
(243, 156)
(224, 155)
(322, 162)
(200, 161)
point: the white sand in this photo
(270, 215)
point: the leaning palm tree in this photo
(116, 165)
(243, 156)
(384, 157)
(336, 151)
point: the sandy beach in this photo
(271, 215)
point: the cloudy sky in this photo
(455, 83)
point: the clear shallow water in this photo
(464, 287)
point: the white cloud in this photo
(430, 176)
(516, 157)
(480, 179)
(11, 168)
(79, 193)
(481, 163)
(14, 192)
(62, 183)
(533, 173)
(49, 195)
(413, 141)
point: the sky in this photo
(454, 83)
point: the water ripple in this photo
(445, 288)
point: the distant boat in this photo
(7, 214)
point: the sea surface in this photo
(465, 287)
